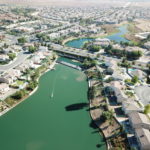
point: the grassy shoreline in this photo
(27, 95)
(96, 36)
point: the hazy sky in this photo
(69, 2)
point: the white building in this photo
(147, 45)
(4, 58)
(4, 88)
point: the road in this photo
(20, 58)
(73, 51)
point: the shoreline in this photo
(104, 35)
(31, 93)
(92, 117)
(84, 36)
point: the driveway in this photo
(143, 93)
(20, 58)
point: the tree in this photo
(11, 56)
(92, 92)
(19, 94)
(32, 85)
(22, 40)
(134, 80)
(108, 115)
(147, 109)
(86, 63)
(94, 48)
(5, 45)
(32, 49)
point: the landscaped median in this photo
(103, 117)
(29, 89)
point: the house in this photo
(129, 106)
(24, 66)
(4, 58)
(4, 88)
(10, 76)
(147, 45)
(40, 55)
(43, 48)
(141, 126)
(139, 73)
(54, 35)
(102, 42)
(135, 48)
(118, 46)
(115, 88)
(142, 35)
(36, 59)
(109, 71)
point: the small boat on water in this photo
(52, 95)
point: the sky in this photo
(68, 2)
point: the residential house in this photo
(115, 88)
(36, 59)
(4, 88)
(139, 73)
(141, 126)
(4, 58)
(130, 105)
(43, 48)
(102, 42)
(147, 45)
(10, 76)
(24, 66)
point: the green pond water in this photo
(55, 117)
(117, 37)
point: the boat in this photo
(52, 95)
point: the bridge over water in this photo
(72, 52)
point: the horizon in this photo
(70, 2)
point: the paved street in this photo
(20, 58)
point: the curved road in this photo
(20, 58)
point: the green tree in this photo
(32, 49)
(134, 79)
(22, 40)
(94, 48)
(108, 115)
(5, 45)
(147, 109)
(11, 56)
(18, 95)
(32, 85)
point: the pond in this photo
(117, 37)
(55, 117)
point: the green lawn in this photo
(19, 82)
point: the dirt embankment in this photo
(109, 28)
(133, 29)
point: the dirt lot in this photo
(144, 25)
